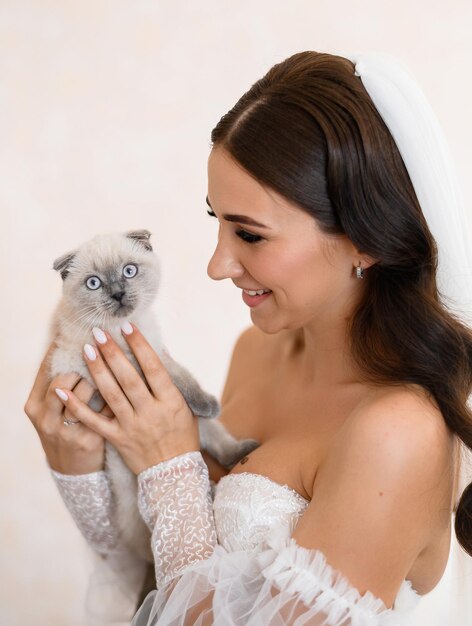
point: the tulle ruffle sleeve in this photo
(201, 583)
(274, 587)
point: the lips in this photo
(253, 301)
(252, 288)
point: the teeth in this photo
(259, 292)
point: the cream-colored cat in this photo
(106, 280)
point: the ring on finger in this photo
(69, 422)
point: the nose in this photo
(118, 295)
(223, 264)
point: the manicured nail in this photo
(90, 352)
(126, 328)
(62, 395)
(99, 335)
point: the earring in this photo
(359, 271)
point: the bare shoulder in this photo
(399, 435)
(387, 467)
(403, 410)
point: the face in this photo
(108, 279)
(309, 274)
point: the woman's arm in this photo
(89, 499)
(174, 499)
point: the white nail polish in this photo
(90, 352)
(61, 394)
(126, 328)
(99, 335)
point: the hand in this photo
(153, 422)
(74, 449)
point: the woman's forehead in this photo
(232, 190)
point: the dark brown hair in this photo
(309, 130)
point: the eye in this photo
(248, 237)
(242, 234)
(130, 271)
(93, 282)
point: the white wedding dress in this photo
(224, 553)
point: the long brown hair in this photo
(309, 130)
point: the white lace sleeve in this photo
(90, 502)
(174, 499)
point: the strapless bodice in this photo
(248, 508)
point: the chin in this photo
(123, 311)
(267, 327)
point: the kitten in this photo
(108, 279)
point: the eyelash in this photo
(242, 234)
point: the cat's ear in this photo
(62, 263)
(142, 237)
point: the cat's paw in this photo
(238, 451)
(247, 446)
(204, 405)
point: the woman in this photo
(354, 377)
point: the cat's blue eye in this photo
(130, 270)
(93, 282)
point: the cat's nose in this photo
(118, 295)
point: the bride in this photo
(354, 376)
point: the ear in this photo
(367, 261)
(63, 263)
(141, 236)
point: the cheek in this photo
(295, 270)
(305, 281)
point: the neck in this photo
(322, 356)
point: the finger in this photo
(123, 370)
(154, 371)
(107, 384)
(83, 390)
(107, 411)
(102, 425)
(54, 407)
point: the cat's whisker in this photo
(83, 314)
(88, 307)
(82, 319)
(91, 316)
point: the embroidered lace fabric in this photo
(174, 499)
(232, 561)
(90, 501)
(117, 573)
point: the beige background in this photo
(106, 110)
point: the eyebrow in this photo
(242, 219)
